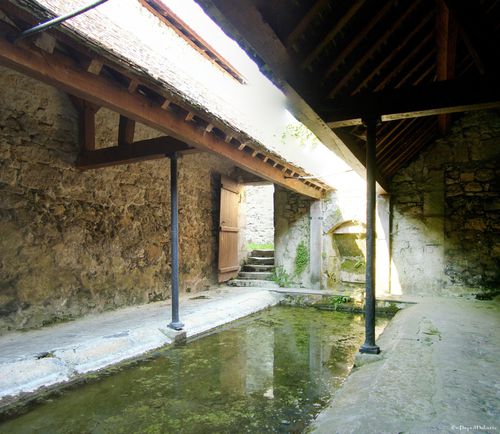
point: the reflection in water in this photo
(270, 373)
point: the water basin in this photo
(271, 372)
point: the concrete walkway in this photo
(30, 360)
(438, 372)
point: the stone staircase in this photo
(257, 270)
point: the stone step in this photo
(263, 252)
(253, 283)
(255, 275)
(257, 267)
(260, 260)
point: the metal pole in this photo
(54, 21)
(371, 163)
(174, 224)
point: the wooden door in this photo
(228, 229)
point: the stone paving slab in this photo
(438, 373)
(44, 357)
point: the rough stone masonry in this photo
(74, 242)
(446, 212)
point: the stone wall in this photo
(292, 227)
(258, 208)
(74, 242)
(446, 212)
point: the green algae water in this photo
(269, 373)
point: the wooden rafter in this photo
(374, 47)
(387, 59)
(131, 153)
(394, 72)
(305, 21)
(252, 28)
(446, 39)
(330, 36)
(478, 32)
(67, 74)
(339, 58)
(441, 97)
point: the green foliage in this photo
(337, 300)
(281, 277)
(301, 258)
(298, 133)
(255, 246)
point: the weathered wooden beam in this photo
(131, 153)
(63, 72)
(126, 129)
(260, 38)
(446, 41)
(441, 97)
(95, 66)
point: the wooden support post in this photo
(126, 131)
(175, 324)
(87, 126)
(369, 345)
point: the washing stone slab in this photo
(64, 352)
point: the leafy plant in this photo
(281, 277)
(301, 258)
(337, 300)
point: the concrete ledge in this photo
(437, 370)
(64, 352)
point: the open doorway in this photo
(258, 222)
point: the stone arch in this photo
(348, 252)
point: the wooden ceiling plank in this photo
(393, 54)
(330, 36)
(369, 53)
(304, 23)
(440, 97)
(63, 72)
(128, 153)
(359, 37)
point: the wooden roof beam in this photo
(478, 32)
(376, 46)
(143, 150)
(393, 54)
(330, 36)
(63, 72)
(244, 22)
(394, 72)
(441, 97)
(446, 39)
(307, 19)
(339, 58)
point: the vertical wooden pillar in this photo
(371, 164)
(175, 324)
